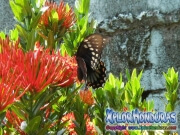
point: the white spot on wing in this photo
(91, 49)
(93, 53)
(92, 62)
(85, 46)
(89, 45)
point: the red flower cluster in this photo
(15, 121)
(9, 87)
(10, 76)
(33, 70)
(90, 129)
(65, 16)
(87, 97)
(42, 69)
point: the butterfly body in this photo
(90, 67)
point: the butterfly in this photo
(88, 57)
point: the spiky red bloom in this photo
(9, 88)
(90, 129)
(45, 16)
(40, 68)
(9, 53)
(87, 97)
(66, 17)
(10, 75)
(15, 121)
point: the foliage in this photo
(27, 13)
(80, 30)
(172, 85)
(39, 90)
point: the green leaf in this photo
(19, 112)
(17, 10)
(150, 105)
(38, 104)
(22, 32)
(169, 107)
(27, 8)
(2, 115)
(38, 3)
(14, 34)
(85, 6)
(20, 2)
(82, 6)
(44, 130)
(54, 16)
(31, 40)
(128, 96)
(33, 124)
(35, 20)
(83, 24)
(63, 50)
(172, 85)
(112, 80)
(2, 35)
(67, 7)
(128, 74)
(1, 131)
(51, 40)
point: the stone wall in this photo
(145, 34)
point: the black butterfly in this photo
(90, 67)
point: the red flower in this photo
(10, 75)
(45, 17)
(70, 117)
(15, 121)
(87, 97)
(10, 88)
(125, 132)
(42, 69)
(39, 68)
(10, 55)
(90, 129)
(65, 16)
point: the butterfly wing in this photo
(96, 78)
(88, 56)
(81, 70)
(90, 49)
